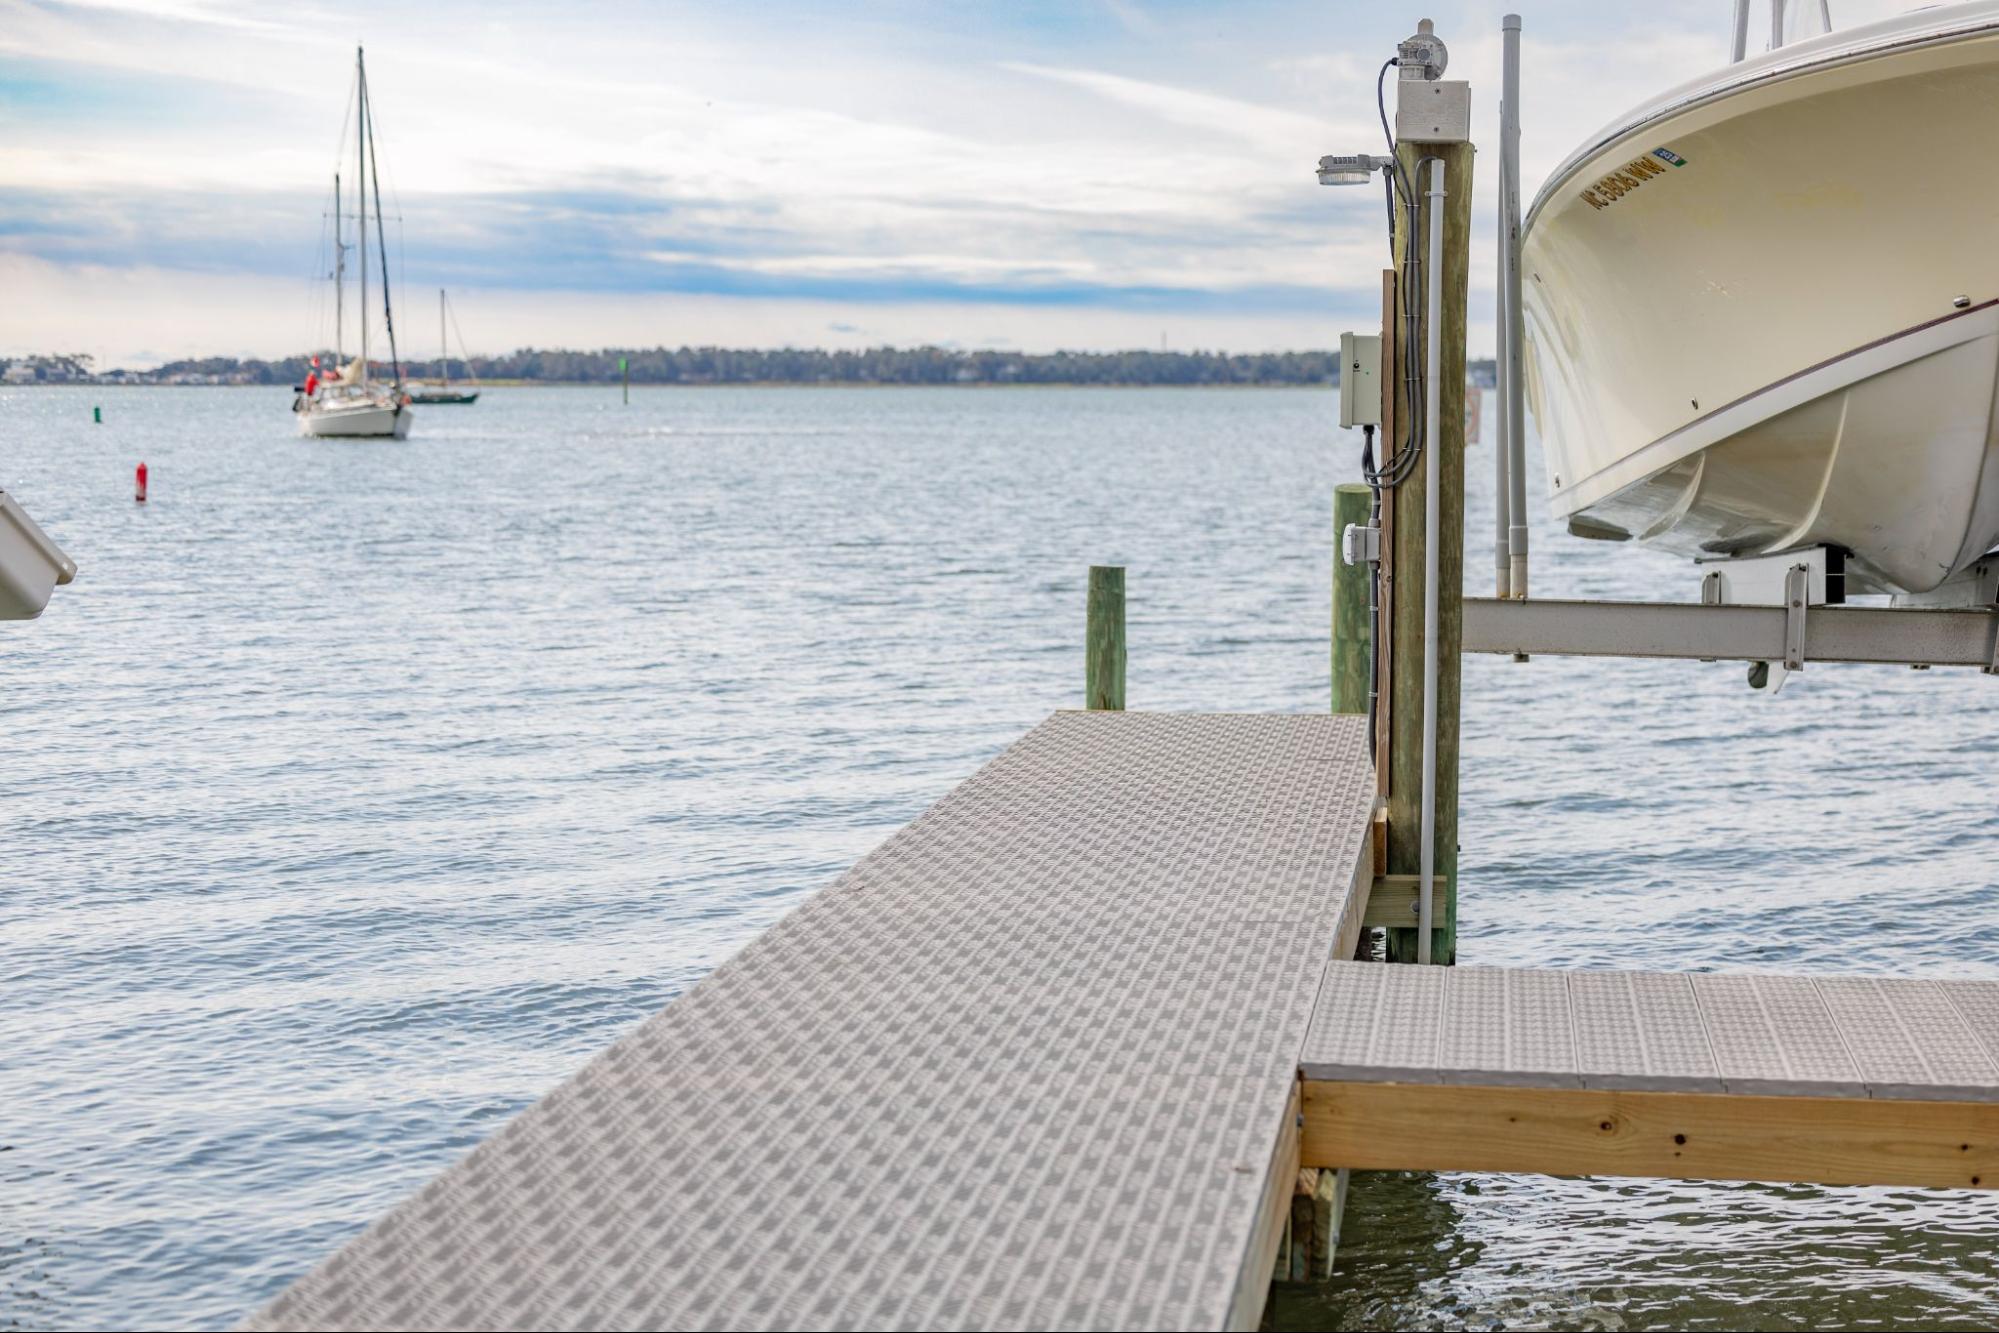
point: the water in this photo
(355, 793)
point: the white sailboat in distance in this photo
(343, 400)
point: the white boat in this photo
(348, 402)
(1762, 310)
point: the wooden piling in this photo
(1406, 739)
(1353, 635)
(1103, 683)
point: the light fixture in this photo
(1354, 169)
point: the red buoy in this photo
(139, 484)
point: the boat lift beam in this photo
(1896, 636)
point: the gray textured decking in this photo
(1028, 1064)
(1736, 1033)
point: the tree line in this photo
(783, 365)
(791, 365)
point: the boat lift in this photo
(1777, 612)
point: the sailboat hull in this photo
(1763, 314)
(373, 420)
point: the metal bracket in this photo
(1907, 637)
(1797, 592)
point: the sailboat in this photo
(344, 399)
(440, 390)
(1762, 309)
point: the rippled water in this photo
(355, 793)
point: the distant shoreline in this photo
(725, 384)
(706, 367)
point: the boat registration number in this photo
(1613, 186)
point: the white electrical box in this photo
(1360, 379)
(1433, 111)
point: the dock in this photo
(1030, 1064)
(1831, 1080)
(1056, 1054)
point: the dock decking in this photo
(1031, 1063)
(1837, 1080)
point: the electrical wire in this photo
(1407, 451)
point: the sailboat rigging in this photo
(441, 390)
(342, 400)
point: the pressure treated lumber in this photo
(1406, 742)
(1353, 633)
(1103, 667)
(1674, 1135)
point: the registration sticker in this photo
(1610, 188)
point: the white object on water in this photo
(346, 404)
(31, 566)
(1742, 303)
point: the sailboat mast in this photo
(443, 348)
(381, 236)
(339, 281)
(361, 188)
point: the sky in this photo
(1019, 174)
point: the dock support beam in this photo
(1103, 671)
(1353, 633)
(1410, 533)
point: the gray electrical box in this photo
(1360, 379)
(1433, 111)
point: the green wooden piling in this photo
(1405, 810)
(1103, 684)
(1353, 634)
(625, 374)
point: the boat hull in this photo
(1766, 316)
(374, 420)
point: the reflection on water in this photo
(356, 793)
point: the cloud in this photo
(1032, 163)
(1229, 117)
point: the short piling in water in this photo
(1353, 634)
(1103, 685)
(139, 484)
(97, 415)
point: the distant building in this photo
(19, 373)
